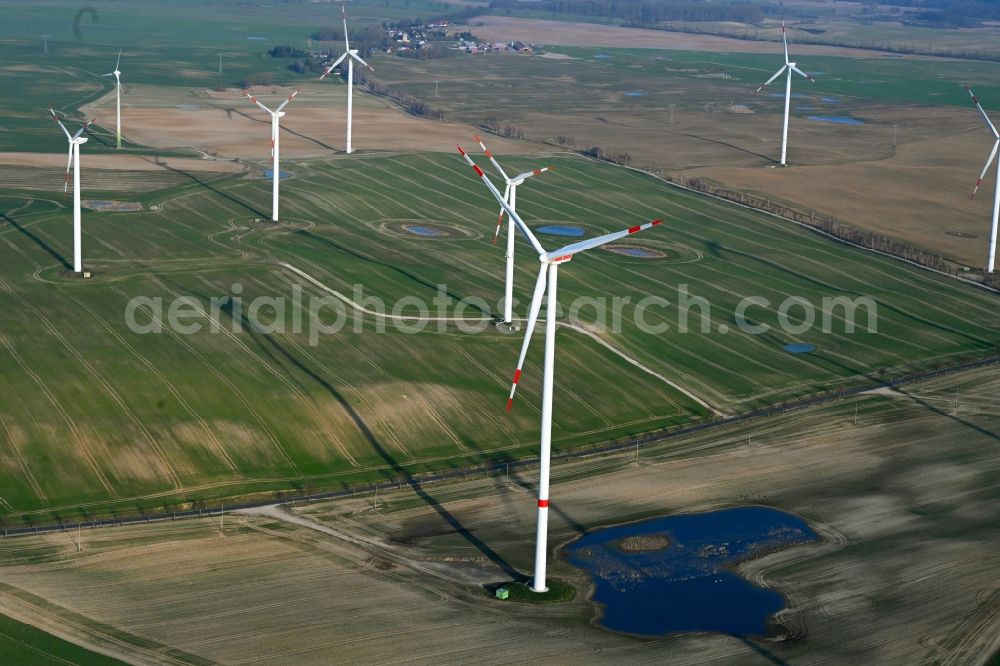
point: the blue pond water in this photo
(421, 231)
(840, 120)
(269, 173)
(636, 252)
(794, 95)
(829, 100)
(636, 93)
(805, 108)
(687, 586)
(799, 348)
(560, 230)
(257, 39)
(603, 56)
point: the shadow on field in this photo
(38, 241)
(762, 651)
(883, 383)
(230, 111)
(408, 275)
(723, 143)
(265, 341)
(198, 181)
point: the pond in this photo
(673, 574)
(269, 173)
(799, 348)
(421, 231)
(636, 93)
(840, 120)
(561, 230)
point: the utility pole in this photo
(636, 451)
(506, 471)
(855, 413)
(79, 544)
(895, 129)
(220, 63)
(436, 88)
(45, 42)
(222, 520)
(376, 497)
(671, 107)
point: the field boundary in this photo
(504, 464)
(804, 225)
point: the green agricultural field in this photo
(99, 417)
(24, 644)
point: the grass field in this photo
(902, 487)
(99, 417)
(24, 644)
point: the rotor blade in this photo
(534, 172)
(503, 202)
(982, 112)
(108, 74)
(358, 58)
(285, 103)
(83, 127)
(784, 39)
(253, 98)
(343, 15)
(119, 58)
(330, 68)
(506, 197)
(536, 305)
(770, 80)
(799, 71)
(59, 122)
(570, 250)
(488, 154)
(69, 165)
(989, 163)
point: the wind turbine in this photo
(275, 146)
(351, 55)
(545, 286)
(118, 100)
(74, 161)
(989, 163)
(788, 67)
(510, 196)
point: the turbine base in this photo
(506, 326)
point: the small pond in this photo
(561, 230)
(674, 574)
(840, 120)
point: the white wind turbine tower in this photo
(74, 161)
(350, 55)
(276, 115)
(788, 67)
(547, 276)
(510, 196)
(118, 100)
(996, 195)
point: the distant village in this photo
(416, 37)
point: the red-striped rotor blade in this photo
(536, 305)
